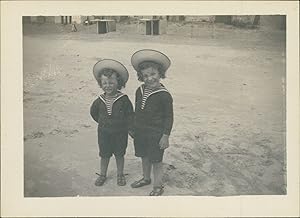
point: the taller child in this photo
(153, 116)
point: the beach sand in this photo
(228, 136)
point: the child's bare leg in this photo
(121, 181)
(146, 168)
(103, 168)
(104, 165)
(158, 188)
(158, 174)
(120, 165)
(146, 180)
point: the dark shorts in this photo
(112, 143)
(146, 144)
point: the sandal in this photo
(121, 181)
(157, 191)
(100, 180)
(140, 183)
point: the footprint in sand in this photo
(187, 156)
(266, 141)
(171, 167)
(234, 125)
(168, 172)
(201, 136)
(64, 132)
(34, 135)
(267, 163)
(37, 135)
(85, 125)
(46, 101)
(70, 133)
(225, 139)
(74, 131)
(55, 132)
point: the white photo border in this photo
(13, 202)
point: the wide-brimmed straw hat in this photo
(110, 64)
(152, 56)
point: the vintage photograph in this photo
(154, 105)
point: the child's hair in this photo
(108, 73)
(148, 64)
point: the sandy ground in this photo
(228, 136)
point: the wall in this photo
(199, 18)
(273, 22)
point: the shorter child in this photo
(153, 116)
(113, 112)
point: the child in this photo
(153, 116)
(113, 112)
(74, 29)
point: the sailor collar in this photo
(162, 88)
(102, 98)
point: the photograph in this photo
(154, 105)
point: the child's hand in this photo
(164, 142)
(131, 133)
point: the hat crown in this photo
(150, 55)
(114, 65)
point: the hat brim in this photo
(110, 64)
(152, 56)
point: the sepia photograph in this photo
(154, 105)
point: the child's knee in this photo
(119, 157)
(157, 164)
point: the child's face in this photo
(109, 84)
(151, 77)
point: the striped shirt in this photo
(147, 91)
(110, 100)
